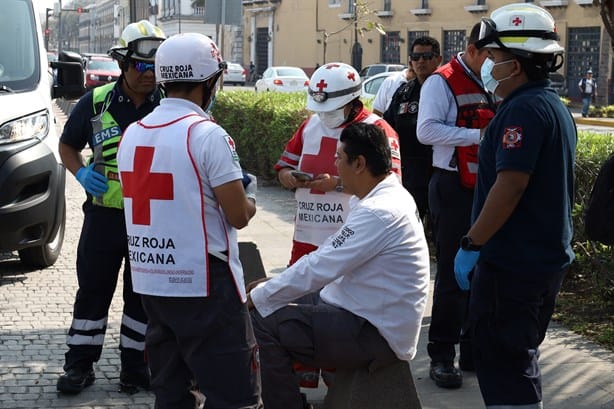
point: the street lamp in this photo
(47, 10)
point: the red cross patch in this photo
(512, 137)
(517, 21)
(142, 185)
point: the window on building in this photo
(391, 49)
(411, 36)
(581, 54)
(334, 3)
(480, 2)
(351, 6)
(453, 43)
(387, 5)
(424, 4)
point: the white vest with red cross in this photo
(319, 214)
(165, 211)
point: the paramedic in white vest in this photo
(184, 201)
(322, 204)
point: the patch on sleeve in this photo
(512, 137)
(233, 150)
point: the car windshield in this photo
(376, 69)
(102, 65)
(290, 72)
(19, 57)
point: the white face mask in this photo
(491, 84)
(332, 119)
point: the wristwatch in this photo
(466, 243)
(339, 187)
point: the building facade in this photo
(306, 33)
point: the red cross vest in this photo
(475, 110)
(164, 209)
(319, 214)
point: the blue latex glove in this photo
(93, 182)
(464, 262)
(246, 180)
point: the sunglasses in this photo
(428, 56)
(142, 67)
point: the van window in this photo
(19, 56)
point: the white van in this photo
(32, 180)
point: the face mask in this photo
(211, 104)
(491, 84)
(332, 119)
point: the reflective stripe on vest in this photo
(106, 134)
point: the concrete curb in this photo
(594, 121)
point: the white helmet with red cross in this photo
(523, 28)
(332, 86)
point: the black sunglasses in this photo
(141, 66)
(427, 56)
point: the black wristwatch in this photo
(466, 243)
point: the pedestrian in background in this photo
(588, 91)
(521, 229)
(373, 274)
(454, 110)
(183, 191)
(402, 114)
(98, 120)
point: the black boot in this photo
(131, 381)
(446, 375)
(74, 380)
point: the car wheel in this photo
(47, 254)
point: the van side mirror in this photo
(70, 78)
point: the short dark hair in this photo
(474, 36)
(426, 41)
(369, 141)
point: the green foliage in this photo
(604, 111)
(260, 124)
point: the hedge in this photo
(261, 124)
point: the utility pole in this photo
(356, 48)
(60, 28)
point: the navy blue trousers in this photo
(509, 313)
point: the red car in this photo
(99, 70)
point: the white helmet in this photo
(332, 86)
(188, 57)
(523, 28)
(139, 41)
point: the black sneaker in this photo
(74, 380)
(131, 381)
(446, 375)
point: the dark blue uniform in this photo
(102, 249)
(521, 267)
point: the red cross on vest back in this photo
(394, 144)
(321, 162)
(142, 186)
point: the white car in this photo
(283, 79)
(371, 85)
(235, 74)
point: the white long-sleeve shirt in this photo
(437, 121)
(384, 95)
(375, 266)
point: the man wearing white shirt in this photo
(373, 274)
(454, 107)
(388, 88)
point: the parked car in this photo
(283, 79)
(559, 83)
(371, 70)
(371, 85)
(100, 69)
(235, 74)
